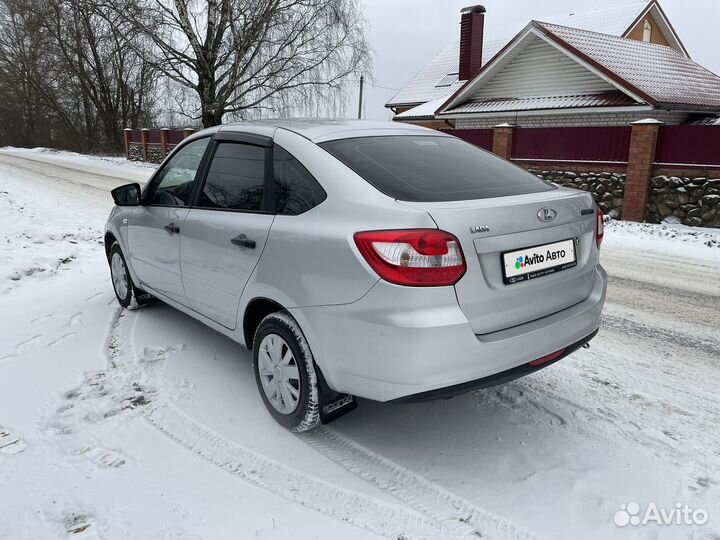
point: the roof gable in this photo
(654, 13)
(532, 65)
(615, 19)
(537, 68)
(645, 72)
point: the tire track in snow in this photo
(628, 327)
(629, 290)
(433, 511)
(351, 507)
(457, 516)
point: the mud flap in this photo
(339, 406)
(142, 298)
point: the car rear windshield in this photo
(432, 169)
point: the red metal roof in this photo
(657, 73)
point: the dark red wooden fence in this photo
(688, 145)
(154, 136)
(479, 137)
(572, 144)
(175, 136)
(152, 144)
(135, 135)
(676, 145)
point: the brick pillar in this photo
(640, 165)
(164, 141)
(126, 138)
(187, 132)
(502, 140)
(145, 140)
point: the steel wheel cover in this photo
(279, 374)
(119, 275)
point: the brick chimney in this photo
(472, 24)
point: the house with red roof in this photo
(609, 66)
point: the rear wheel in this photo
(285, 373)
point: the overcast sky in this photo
(406, 34)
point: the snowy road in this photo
(148, 424)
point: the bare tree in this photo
(113, 83)
(22, 109)
(71, 72)
(244, 56)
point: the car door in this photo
(155, 228)
(225, 232)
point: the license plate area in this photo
(537, 261)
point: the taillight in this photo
(418, 258)
(599, 227)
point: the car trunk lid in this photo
(493, 294)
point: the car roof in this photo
(322, 130)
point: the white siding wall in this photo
(571, 120)
(539, 69)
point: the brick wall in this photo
(502, 142)
(571, 120)
(640, 165)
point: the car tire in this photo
(120, 276)
(129, 296)
(285, 373)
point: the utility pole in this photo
(360, 99)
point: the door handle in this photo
(171, 228)
(242, 240)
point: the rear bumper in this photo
(399, 342)
(492, 380)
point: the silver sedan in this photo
(362, 259)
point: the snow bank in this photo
(667, 238)
(101, 163)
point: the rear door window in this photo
(432, 169)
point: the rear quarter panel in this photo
(311, 259)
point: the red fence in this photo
(152, 144)
(572, 144)
(688, 145)
(134, 135)
(479, 137)
(676, 145)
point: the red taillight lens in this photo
(547, 358)
(599, 227)
(417, 258)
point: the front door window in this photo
(173, 185)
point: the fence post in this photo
(643, 141)
(187, 132)
(126, 137)
(164, 141)
(145, 140)
(502, 140)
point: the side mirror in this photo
(127, 195)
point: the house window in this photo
(447, 80)
(647, 31)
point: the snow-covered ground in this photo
(146, 424)
(113, 166)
